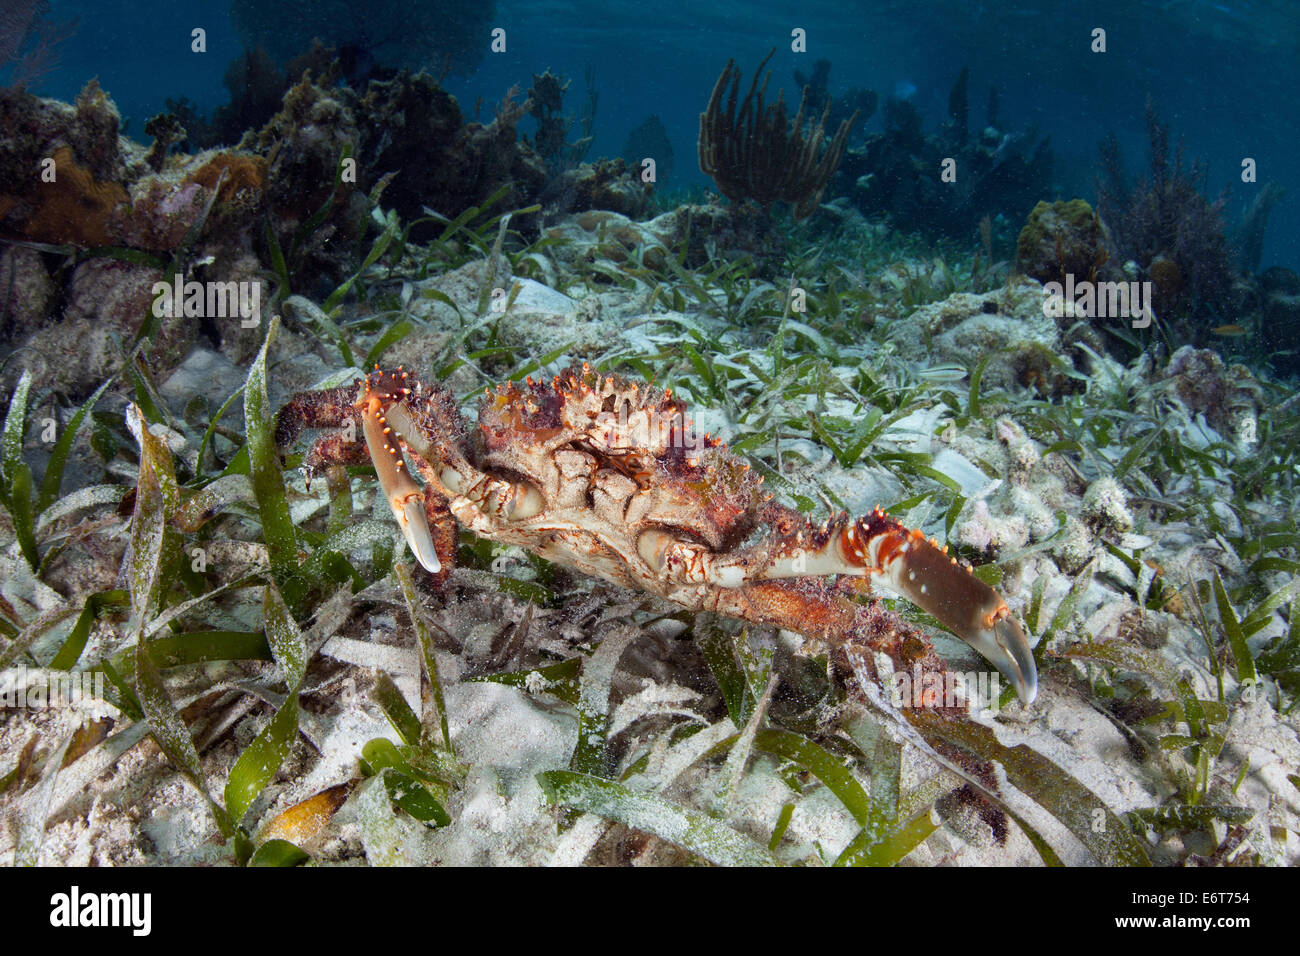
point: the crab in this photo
(608, 476)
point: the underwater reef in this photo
(1176, 236)
(369, 648)
(286, 199)
(999, 172)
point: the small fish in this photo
(1229, 331)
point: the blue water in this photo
(1223, 75)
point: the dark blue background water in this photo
(1224, 74)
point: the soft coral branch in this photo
(29, 43)
(1171, 230)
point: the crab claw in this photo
(967, 606)
(405, 497)
(415, 528)
(1005, 647)
(905, 561)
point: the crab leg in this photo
(919, 570)
(875, 546)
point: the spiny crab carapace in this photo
(608, 476)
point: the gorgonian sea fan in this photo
(29, 43)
